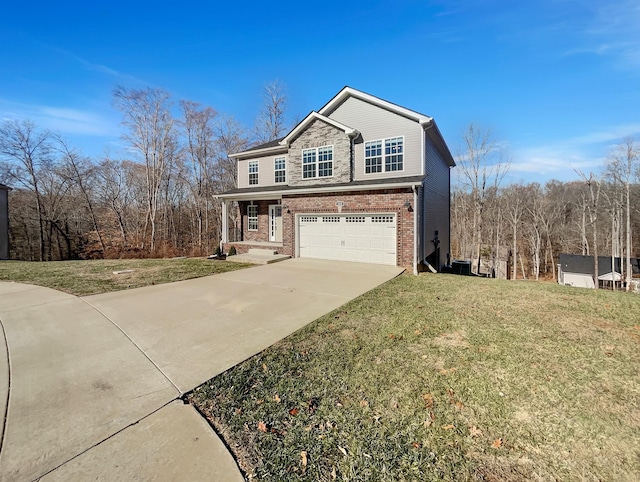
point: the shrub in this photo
(232, 251)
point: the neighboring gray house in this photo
(577, 270)
(4, 221)
(362, 179)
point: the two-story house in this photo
(362, 180)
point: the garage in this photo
(363, 238)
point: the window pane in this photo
(252, 217)
(279, 169)
(373, 157)
(308, 170)
(393, 149)
(253, 172)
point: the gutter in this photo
(293, 192)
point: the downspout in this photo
(415, 230)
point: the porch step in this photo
(251, 258)
(262, 252)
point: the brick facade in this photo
(380, 201)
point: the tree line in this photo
(529, 225)
(157, 200)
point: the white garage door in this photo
(364, 238)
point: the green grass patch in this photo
(443, 378)
(92, 277)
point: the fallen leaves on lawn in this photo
(497, 443)
(475, 431)
(428, 400)
(293, 411)
(264, 368)
(364, 403)
(343, 450)
(303, 458)
(448, 427)
(262, 427)
(276, 398)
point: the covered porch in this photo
(252, 223)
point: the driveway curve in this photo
(89, 385)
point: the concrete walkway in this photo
(91, 385)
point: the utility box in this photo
(4, 221)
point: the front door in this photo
(275, 223)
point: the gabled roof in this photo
(323, 114)
(5, 188)
(283, 143)
(313, 115)
(576, 263)
(347, 92)
(425, 121)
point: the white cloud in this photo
(561, 160)
(64, 120)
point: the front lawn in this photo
(96, 276)
(443, 377)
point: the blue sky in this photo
(557, 80)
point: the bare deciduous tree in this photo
(271, 123)
(623, 165)
(27, 149)
(151, 134)
(482, 167)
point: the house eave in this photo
(310, 118)
(423, 120)
(318, 189)
(259, 152)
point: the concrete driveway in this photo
(91, 386)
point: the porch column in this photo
(225, 220)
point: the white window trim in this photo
(284, 159)
(257, 173)
(384, 155)
(249, 217)
(317, 162)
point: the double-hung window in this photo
(391, 160)
(253, 172)
(252, 217)
(317, 162)
(373, 157)
(280, 169)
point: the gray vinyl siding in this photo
(266, 174)
(436, 202)
(376, 123)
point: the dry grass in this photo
(443, 378)
(91, 277)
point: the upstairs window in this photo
(309, 161)
(317, 162)
(325, 161)
(253, 172)
(393, 156)
(280, 169)
(252, 217)
(373, 157)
